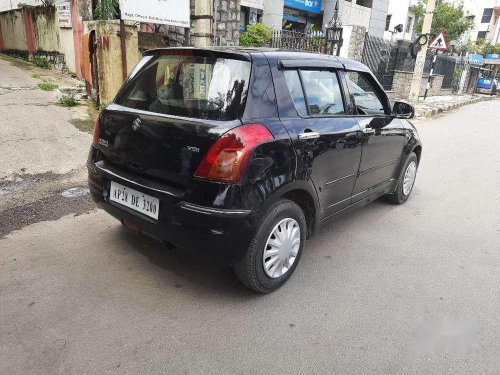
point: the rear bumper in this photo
(220, 234)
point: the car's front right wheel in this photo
(406, 181)
(275, 250)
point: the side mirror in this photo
(403, 110)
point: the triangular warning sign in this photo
(439, 42)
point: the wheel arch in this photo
(418, 151)
(304, 195)
(306, 202)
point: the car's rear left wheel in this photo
(276, 248)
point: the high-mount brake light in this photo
(181, 52)
(95, 139)
(227, 158)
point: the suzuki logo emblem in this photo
(136, 124)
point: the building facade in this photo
(400, 20)
(485, 14)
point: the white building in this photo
(485, 14)
(370, 14)
(400, 20)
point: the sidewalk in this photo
(434, 105)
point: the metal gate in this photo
(384, 57)
(445, 66)
(307, 41)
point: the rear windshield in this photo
(211, 88)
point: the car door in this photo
(383, 135)
(326, 138)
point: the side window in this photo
(323, 93)
(295, 88)
(367, 101)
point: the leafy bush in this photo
(47, 86)
(257, 35)
(42, 62)
(106, 10)
(68, 100)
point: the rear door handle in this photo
(309, 135)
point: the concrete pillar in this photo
(29, 28)
(421, 55)
(203, 16)
(77, 37)
(272, 15)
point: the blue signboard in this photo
(485, 83)
(476, 59)
(493, 56)
(313, 6)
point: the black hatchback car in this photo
(242, 154)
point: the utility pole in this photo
(203, 17)
(420, 62)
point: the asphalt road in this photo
(384, 290)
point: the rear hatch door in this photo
(171, 111)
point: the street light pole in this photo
(421, 55)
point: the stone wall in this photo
(356, 43)
(401, 85)
(228, 23)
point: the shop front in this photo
(302, 15)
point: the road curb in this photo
(448, 107)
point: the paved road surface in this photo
(32, 121)
(385, 290)
(41, 153)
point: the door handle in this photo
(309, 135)
(368, 130)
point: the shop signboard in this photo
(475, 59)
(313, 6)
(492, 59)
(485, 83)
(293, 16)
(166, 12)
(63, 11)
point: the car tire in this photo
(254, 270)
(404, 187)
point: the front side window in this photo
(192, 86)
(364, 92)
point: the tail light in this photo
(95, 140)
(227, 158)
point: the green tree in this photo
(481, 47)
(447, 16)
(257, 35)
(106, 10)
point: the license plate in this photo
(135, 200)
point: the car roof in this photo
(280, 54)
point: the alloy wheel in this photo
(409, 178)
